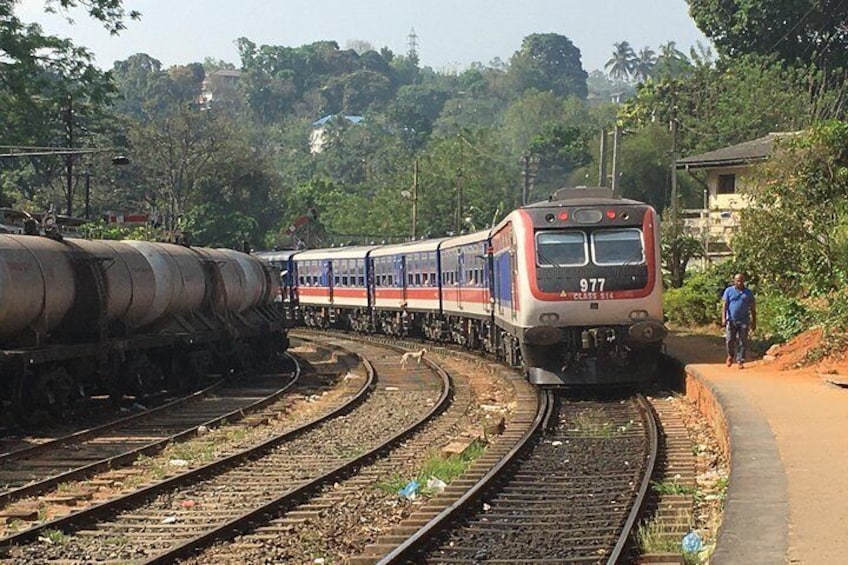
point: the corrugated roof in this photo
(739, 154)
(325, 119)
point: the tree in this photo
(796, 229)
(801, 31)
(671, 61)
(643, 66)
(678, 248)
(548, 62)
(622, 63)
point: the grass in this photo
(672, 487)
(55, 536)
(590, 422)
(437, 466)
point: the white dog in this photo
(410, 355)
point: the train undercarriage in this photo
(53, 382)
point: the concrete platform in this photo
(787, 433)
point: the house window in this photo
(726, 184)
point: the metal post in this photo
(674, 203)
(525, 193)
(602, 160)
(616, 142)
(415, 199)
(87, 175)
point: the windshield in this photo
(554, 249)
(618, 247)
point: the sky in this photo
(450, 34)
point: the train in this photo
(81, 318)
(569, 289)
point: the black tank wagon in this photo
(84, 317)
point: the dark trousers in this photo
(736, 336)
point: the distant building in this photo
(318, 136)
(724, 197)
(217, 83)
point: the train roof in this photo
(475, 237)
(423, 245)
(583, 196)
(279, 255)
(353, 252)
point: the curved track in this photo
(571, 496)
(173, 518)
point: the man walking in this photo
(738, 316)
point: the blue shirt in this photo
(738, 304)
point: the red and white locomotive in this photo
(569, 288)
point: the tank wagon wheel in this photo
(143, 377)
(49, 392)
(188, 368)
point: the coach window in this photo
(561, 249)
(618, 247)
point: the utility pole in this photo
(525, 193)
(87, 176)
(458, 217)
(602, 165)
(616, 143)
(69, 158)
(415, 199)
(673, 126)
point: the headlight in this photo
(638, 315)
(549, 318)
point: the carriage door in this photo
(400, 279)
(460, 274)
(327, 276)
(513, 283)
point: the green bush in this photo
(697, 302)
(781, 318)
(687, 306)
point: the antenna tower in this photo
(412, 53)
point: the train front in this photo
(589, 285)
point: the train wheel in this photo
(143, 376)
(49, 393)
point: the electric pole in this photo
(525, 193)
(616, 143)
(602, 160)
(673, 126)
(69, 158)
(415, 199)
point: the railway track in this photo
(170, 519)
(572, 495)
(38, 468)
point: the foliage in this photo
(548, 62)
(678, 248)
(780, 317)
(796, 229)
(213, 225)
(623, 62)
(806, 30)
(697, 302)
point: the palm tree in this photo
(670, 52)
(621, 65)
(644, 64)
(701, 56)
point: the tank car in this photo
(75, 314)
(578, 288)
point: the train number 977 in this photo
(592, 285)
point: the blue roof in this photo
(325, 119)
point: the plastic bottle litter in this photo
(410, 491)
(436, 484)
(691, 543)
